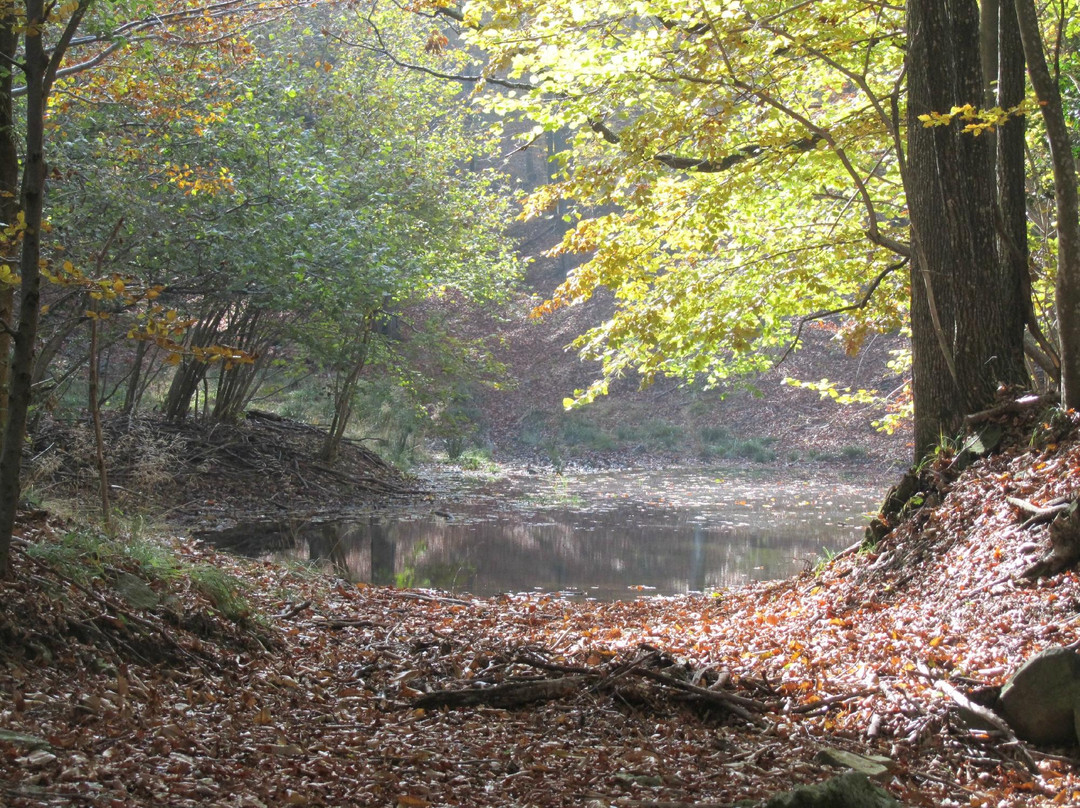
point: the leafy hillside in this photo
(759, 418)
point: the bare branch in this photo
(383, 50)
(703, 165)
(861, 303)
(121, 36)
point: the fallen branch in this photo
(535, 662)
(831, 700)
(293, 610)
(1020, 405)
(330, 622)
(405, 593)
(987, 716)
(740, 705)
(507, 696)
(1039, 514)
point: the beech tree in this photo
(737, 169)
(967, 315)
(732, 171)
(1063, 162)
(38, 65)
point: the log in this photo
(507, 696)
(1064, 542)
(1016, 407)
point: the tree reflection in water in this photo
(669, 532)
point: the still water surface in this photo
(604, 535)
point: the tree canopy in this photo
(278, 195)
(736, 169)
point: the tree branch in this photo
(861, 303)
(383, 50)
(872, 232)
(703, 165)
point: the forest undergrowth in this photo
(128, 680)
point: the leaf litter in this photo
(331, 693)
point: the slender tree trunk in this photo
(191, 371)
(343, 399)
(95, 415)
(1065, 196)
(185, 383)
(989, 23)
(966, 335)
(9, 195)
(1011, 177)
(342, 411)
(132, 393)
(237, 385)
(33, 199)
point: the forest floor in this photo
(207, 473)
(129, 680)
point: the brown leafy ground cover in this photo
(323, 693)
(209, 472)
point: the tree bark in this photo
(95, 415)
(1065, 196)
(9, 195)
(1011, 174)
(966, 316)
(32, 196)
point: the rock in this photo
(876, 767)
(136, 591)
(1041, 702)
(851, 790)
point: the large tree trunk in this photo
(1065, 196)
(967, 319)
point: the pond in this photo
(605, 535)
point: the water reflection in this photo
(604, 536)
